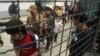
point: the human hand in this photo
(1, 43)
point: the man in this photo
(13, 11)
(23, 38)
(33, 19)
(79, 41)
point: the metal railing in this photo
(68, 41)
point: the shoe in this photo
(46, 50)
(39, 55)
(55, 41)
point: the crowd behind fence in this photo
(85, 47)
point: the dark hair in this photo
(12, 1)
(81, 17)
(47, 8)
(15, 26)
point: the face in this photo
(59, 12)
(15, 36)
(33, 12)
(75, 22)
(48, 12)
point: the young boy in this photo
(20, 37)
(79, 41)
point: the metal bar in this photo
(41, 1)
(77, 42)
(26, 44)
(68, 42)
(84, 43)
(46, 20)
(18, 9)
(84, 50)
(53, 27)
(61, 38)
(96, 35)
(65, 50)
(92, 7)
(67, 39)
(89, 14)
(70, 29)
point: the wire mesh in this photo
(62, 35)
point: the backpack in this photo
(34, 37)
(38, 43)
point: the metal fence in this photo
(64, 45)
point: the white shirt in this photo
(58, 25)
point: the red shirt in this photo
(28, 49)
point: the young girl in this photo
(57, 28)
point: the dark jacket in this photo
(50, 23)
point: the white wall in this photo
(23, 7)
(4, 6)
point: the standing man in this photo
(33, 19)
(12, 10)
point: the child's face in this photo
(75, 22)
(15, 36)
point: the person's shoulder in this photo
(29, 17)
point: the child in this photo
(57, 28)
(20, 37)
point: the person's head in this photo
(48, 10)
(79, 19)
(43, 13)
(15, 28)
(32, 9)
(58, 10)
(75, 7)
(12, 2)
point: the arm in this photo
(3, 23)
(17, 52)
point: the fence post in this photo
(95, 36)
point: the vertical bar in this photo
(38, 10)
(61, 39)
(53, 28)
(88, 8)
(68, 42)
(18, 17)
(18, 9)
(85, 3)
(96, 35)
(93, 9)
(65, 6)
(69, 37)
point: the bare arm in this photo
(3, 23)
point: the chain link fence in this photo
(84, 41)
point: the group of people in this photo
(46, 24)
(41, 25)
